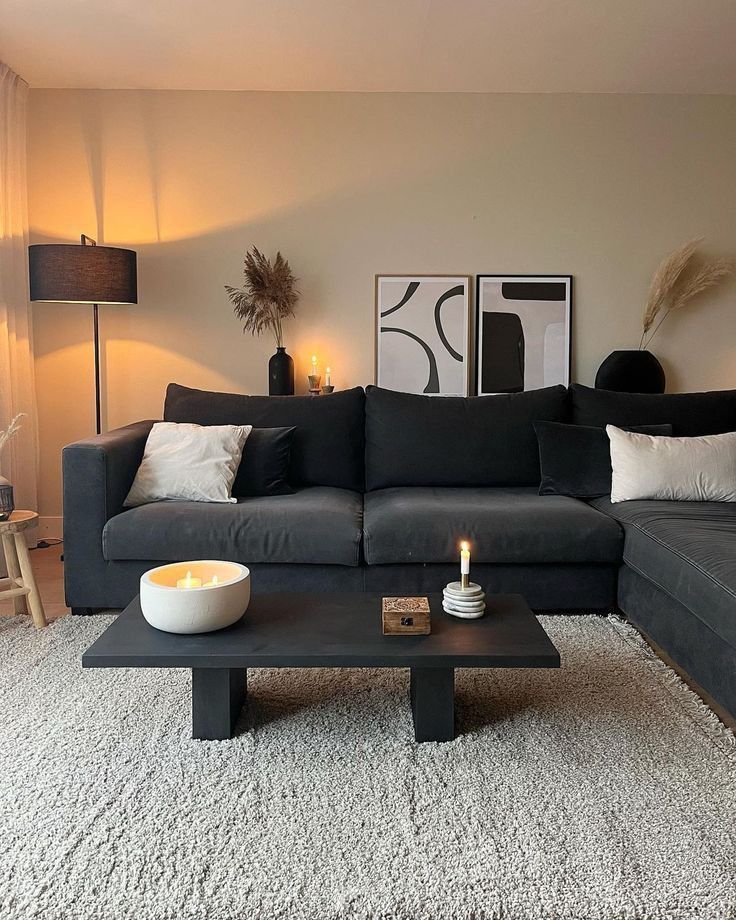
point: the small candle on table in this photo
(328, 382)
(189, 582)
(464, 564)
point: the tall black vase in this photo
(281, 373)
(632, 371)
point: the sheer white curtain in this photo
(19, 462)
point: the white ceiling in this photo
(592, 46)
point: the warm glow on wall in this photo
(184, 179)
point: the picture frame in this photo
(426, 345)
(523, 338)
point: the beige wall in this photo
(347, 185)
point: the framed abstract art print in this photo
(423, 334)
(522, 332)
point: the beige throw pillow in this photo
(184, 462)
(699, 469)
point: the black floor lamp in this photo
(64, 273)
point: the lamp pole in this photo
(88, 241)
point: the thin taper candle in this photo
(464, 564)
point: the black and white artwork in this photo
(523, 332)
(422, 333)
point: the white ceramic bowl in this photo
(195, 609)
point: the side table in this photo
(22, 583)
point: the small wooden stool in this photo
(20, 572)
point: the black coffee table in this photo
(329, 631)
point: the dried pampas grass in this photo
(268, 296)
(12, 430)
(682, 276)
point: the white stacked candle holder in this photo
(464, 599)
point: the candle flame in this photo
(465, 546)
(327, 370)
(189, 576)
(314, 359)
(214, 579)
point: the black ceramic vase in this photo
(632, 371)
(281, 373)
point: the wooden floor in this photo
(49, 571)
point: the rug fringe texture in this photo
(701, 714)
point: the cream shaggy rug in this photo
(603, 790)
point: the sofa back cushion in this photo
(690, 414)
(328, 445)
(456, 441)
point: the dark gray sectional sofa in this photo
(386, 486)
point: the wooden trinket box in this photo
(405, 616)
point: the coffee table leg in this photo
(432, 692)
(218, 695)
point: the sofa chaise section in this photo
(688, 550)
(678, 584)
(678, 580)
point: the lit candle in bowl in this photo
(195, 596)
(464, 564)
(189, 582)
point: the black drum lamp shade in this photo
(65, 273)
(62, 273)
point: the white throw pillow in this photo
(672, 469)
(195, 463)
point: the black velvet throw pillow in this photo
(265, 465)
(575, 460)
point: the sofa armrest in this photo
(98, 472)
(97, 475)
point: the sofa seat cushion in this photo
(688, 549)
(320, 525)
(504, 525)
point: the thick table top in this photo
(332, 630)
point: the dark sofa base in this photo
(116, 583)
(545, 587)
(701, 654)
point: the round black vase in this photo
(281, 373)
(631, 371)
